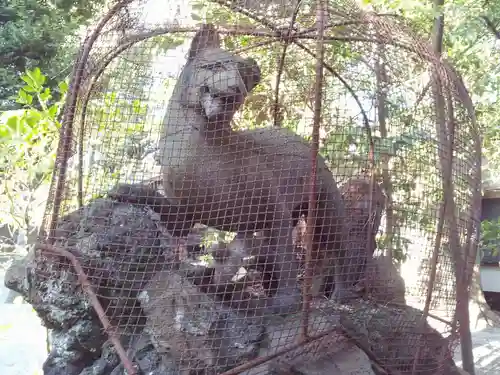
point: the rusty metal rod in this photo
(258, 361)
(101, 314)
(64, 147)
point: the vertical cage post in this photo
(311, 214)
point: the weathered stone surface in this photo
(382, 281)
(331, 354)
(196, 330)
(395, 334)
(142, 276)
(120, 247)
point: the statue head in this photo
(216, 79)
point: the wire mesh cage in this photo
(240, 186)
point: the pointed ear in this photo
(206, 37)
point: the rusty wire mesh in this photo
(196, 277)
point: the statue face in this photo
(216, 79)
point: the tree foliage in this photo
(28, 144)
(39, 33)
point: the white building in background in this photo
(490, 260)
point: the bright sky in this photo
(165, 11)
(161, 12)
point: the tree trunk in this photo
(460, 260)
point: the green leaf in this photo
(24, 97)
(29, 89)
(13, 123)
(229, 43)
(110, 99)
(45, 95)
(31, 84)
(37, 76)
(166, 43)
(136, 106)
(33, 117)
(63, 87)
(52, 111)
(244, 40)
(195, 17)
